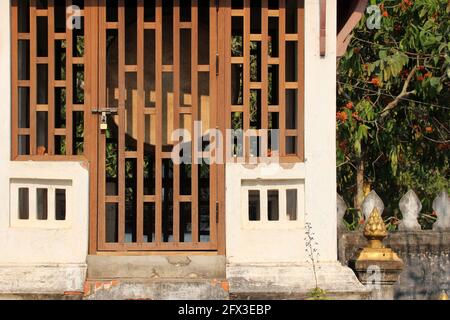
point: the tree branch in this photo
(405, 93)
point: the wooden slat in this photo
(14, 80)
(42, 12)
(237, 60)
(62, 158)
(273, 61)
(291, 85)
(176, 117)
(149, 25)
(290, 36)
(273, 108)
(301, 80)
(20, 36)
(141, 124)
(153, 246)
(185, 198)
(59, 132)
(60, 83)
(69, 86)
(203, 68)
(112, 199)
(225, 40)
(121, 114)
(42, 60)
(77, 107)
(21, 83)
(60, 36)
(131, 154)
(159, 100)
(23, 131)
(282, 77)
(223, 114)
(256, 37)
(51, 76)
(131, 68)
(273, 13)
(78, 60)
(237, 108)
(213, 118)
(246, 80)
(42, 108)
(255, 85)
(33, 76)
(167, 68)
(149, 199)
(101, 229)
(185, 110)
(264, 72)
(112, 25)
(237, 12)
(194, 92)
(185, 25)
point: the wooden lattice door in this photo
(157, 72)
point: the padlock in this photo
(104, 122)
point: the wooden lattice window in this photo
(265, 68)
(48, 109)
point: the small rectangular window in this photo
(291, 204)
(254, 205)
(273, 205)
(24, 204)
(60, 204)
(42, 203)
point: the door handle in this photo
(104, 113)
(107, 111)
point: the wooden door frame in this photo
(91, 8)
(92, 21)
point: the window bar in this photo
(51, 77)
(176, 120)
(69, 87)
(282, 78)
(265, 71)
(227, 63)
(33, 76)
(246, 80)
(121, 116)
(223, 114)
(213, 117)
(140, 125)
(301, 81)
(159, 99)
(101, 237)
(194, 93)
(15, 78)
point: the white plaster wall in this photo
(35, 246)
(318, 171)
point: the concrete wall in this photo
(426, 257)
(318, 173)
(36, 258)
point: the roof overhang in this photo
(350, 13)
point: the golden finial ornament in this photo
(443, 295)
(375, 231)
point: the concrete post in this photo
(379, 277)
